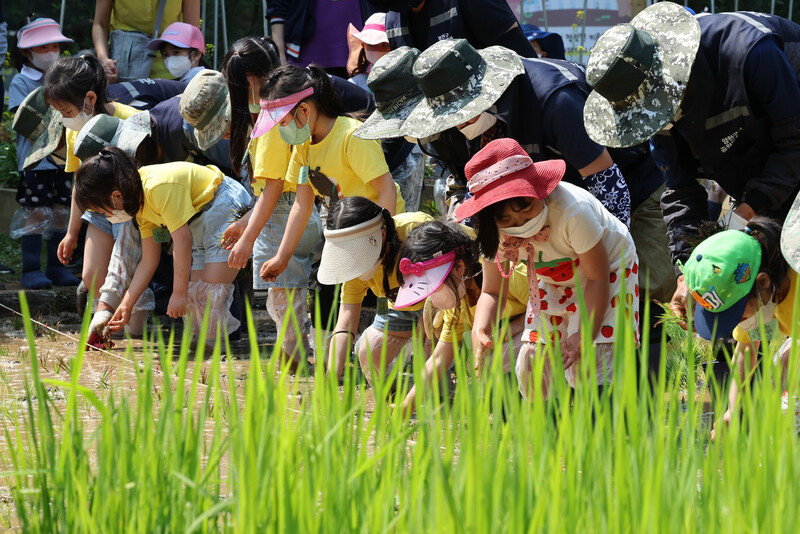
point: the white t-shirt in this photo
(576, 222)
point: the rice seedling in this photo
(308, 455)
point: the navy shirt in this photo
(145, 93)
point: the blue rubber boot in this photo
(56, 272)
(32, 275)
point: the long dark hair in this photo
(440, 237)
(768, 234)
(351, 211)
(289, 79)
(486, 223)
(99, 176)
(72, 77)
(256, 56)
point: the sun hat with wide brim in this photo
(350, 252)
(40, 32)
(40, 124)
(396, 92)
(205, 105)
(503, 170)
(720, 274)
(273, 111)
(459, 83)
(181, 35)
(374, 31)
(639, 72)
(422, 279)
(105, 130)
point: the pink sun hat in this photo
(40, 32)
(374, 31)
(422, 279)
(182, 35)
(273, 111)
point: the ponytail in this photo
(289, 79)
(254, 56)
(110, 170)
(768, 234)
(70, 79)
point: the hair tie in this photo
(104, 155)
(747, 230)
(308, 68)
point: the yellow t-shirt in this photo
(354, 291)
(517, 302)
(174, 192)
(351, 163)
(140, 16)
(121, 111)
(783, 312)
(270, 157)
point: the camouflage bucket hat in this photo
(790, 236)
(206, 107)
(396, 94)
(639, 73)
(104, 130)
(40, 124)
(459, 83)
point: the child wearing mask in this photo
(183, 48)
(44, 191)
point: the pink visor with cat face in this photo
(422, 279)
(273, 111)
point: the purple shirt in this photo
(328, 47)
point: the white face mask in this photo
(444, 298)
(530, 228)
(118, 216)
(78, 121)
(178, 65)
(373, 56)
(767, 314)
(372, 270)
(484, 122)
(44, 61)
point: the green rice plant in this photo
(202, 457)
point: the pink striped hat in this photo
(374, 31)
(40, 32)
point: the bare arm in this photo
(280, 41)
(596, 296)
(100, 31)
(342, 339)
(258, 217)
(295, 227)
(387, 192)
(493, 297)
(182, 262)
(191, 12)
(151, 255)
(67, 244)
(438, 363)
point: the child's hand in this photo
(120, 318)
(726, 418)
(483, 345)
(232, 234)
(272, 268)
(177, 305)
(571, 350)
(240, 254)
(66, 247)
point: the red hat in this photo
(503, 170)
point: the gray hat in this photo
(459, 84)
(104, 130)
(639, 73)
(206, 106)
(40, 124)
(396, 92)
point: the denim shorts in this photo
(208, 227)
(266, 246)
(101, 221)
(397, 320)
